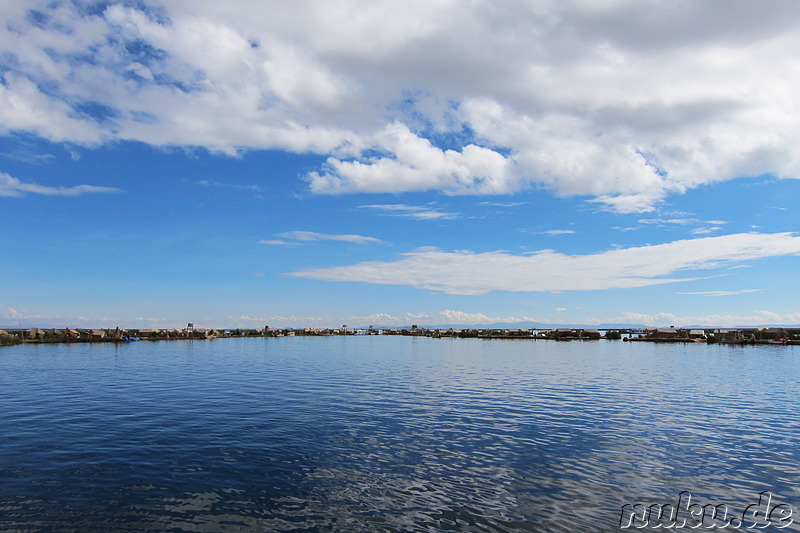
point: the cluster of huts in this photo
(45, 335)
(466, 333)
(722, 336)
(39, 335)
(664, 335)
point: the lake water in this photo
(388, 433)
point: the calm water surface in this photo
(388, 433)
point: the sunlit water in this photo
(388, 433)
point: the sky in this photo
(311, 163)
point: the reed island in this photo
(742, 336)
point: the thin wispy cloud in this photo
(222, 184)
(680, 221)
(298, 237)
(722, 293)
(705, 227)
(29, 156)
(668, 221)
(503, 204)
(11, 186)
(464, 272)
(412, 211)
(555, 232)
(278, 242)
(705, 231)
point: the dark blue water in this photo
(388, 433)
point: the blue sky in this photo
(318, 164)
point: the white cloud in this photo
(722, 293)
(416, 164)
(503, 204)
(11, 186)
(711, 226)
(445, 317)
(555, 232)
(680, 221)
(314, 236)
(463, 272)
(666, 221)
(311, 236)
(570, 96)
(29, 155)
(26, 319)
(412, 211)
(456, 317)
(278, 242)
(705, 231)
(759, 318)
(629, 203)
(24, 107)
(15, 317)
(10, 313)
(222, 184)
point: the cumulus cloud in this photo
(10, 312)
(467, 318)
(444, 317)
(11, 186)
(415, 164)
(569, 96)
(26, 318)
(464, 272)
(759, 318)
(451, 316)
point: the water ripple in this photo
(387, 434)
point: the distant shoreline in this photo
(738, 336)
